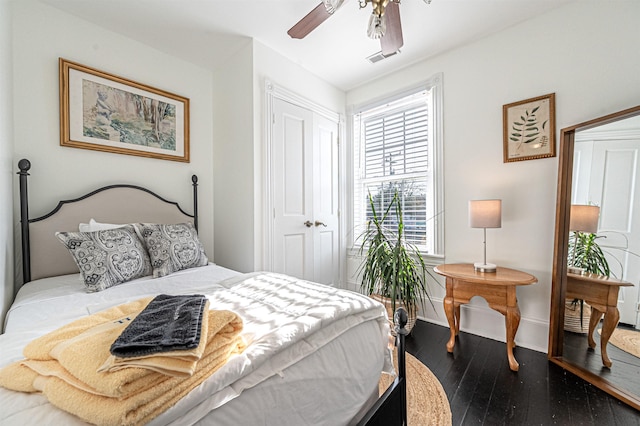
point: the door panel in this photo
(326, 243)
(293, 151)
(292, 195)
(325, 259)
(294, 254)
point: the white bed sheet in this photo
(324, 379)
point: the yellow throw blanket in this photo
(132, 395)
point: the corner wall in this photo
(239, 153)
(282, 72)
(585, 53)
(233, 163)
(6, 161)
(41, 35)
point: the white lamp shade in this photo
(584, 218)
(485, 213)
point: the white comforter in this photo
(297, 331)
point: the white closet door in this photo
(615, 186)
(305, 194)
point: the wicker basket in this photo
(388, 304)
(572, 317)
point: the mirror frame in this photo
(561, 249)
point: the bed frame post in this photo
(391, 408)
(24, 165)
(194, 180)
(400, 318)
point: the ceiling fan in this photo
(384, 23)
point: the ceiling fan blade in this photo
(392, 40)
(309, 23)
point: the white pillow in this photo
(93, 226)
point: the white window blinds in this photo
(392, 153)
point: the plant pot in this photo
(388, 304)
(572, 320)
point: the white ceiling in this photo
(208, 32)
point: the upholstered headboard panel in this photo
(44, 255)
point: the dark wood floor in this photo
(482, 390)
(625, 371)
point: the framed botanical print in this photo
(529, 129)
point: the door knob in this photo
(308, 224)
(318, 223)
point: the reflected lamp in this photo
(583, 219)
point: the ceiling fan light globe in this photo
(377, 26)
(332, 5)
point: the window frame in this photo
(436, 152)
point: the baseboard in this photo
(485, 322)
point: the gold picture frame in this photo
(529, 129)
(104, 112)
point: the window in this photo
(397, 147)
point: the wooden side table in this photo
(601, 293)
(497, 288)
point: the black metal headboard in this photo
(125, 213)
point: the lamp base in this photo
(484, 267)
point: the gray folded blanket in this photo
(168, 323)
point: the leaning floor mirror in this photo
(595, 324)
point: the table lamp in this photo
(485, 214)
(583, 218)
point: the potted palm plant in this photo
(585, 253)
(392, 269)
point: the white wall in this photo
(7, 168)
(280, 71)
(269, 64)
(233, 163)
(41, 35)
(239, 145)
(226, 125)
(586, 53)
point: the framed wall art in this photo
(103, 112)
(529, 129)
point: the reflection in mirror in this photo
(597, 336)
(605, 174)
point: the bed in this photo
(312, 354)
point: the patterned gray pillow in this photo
(109, 257)
(172, 247)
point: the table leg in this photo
(456, 311)
(512, 321)
(611, 319)
(451, 318)
(596, 314)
